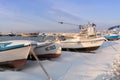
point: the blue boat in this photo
(112, 37)
(113, 33)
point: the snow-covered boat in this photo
(79, 44)
(14, 53)
(87, 40)
(48, 49)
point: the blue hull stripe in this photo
(11, 47)
(111, 37)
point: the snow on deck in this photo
(70, 65)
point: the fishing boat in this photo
(11, 34)
(13, 54)
(87, 40)
(29, 34)
(82, 44)
(48, 49)
(112, 37)
(112, 33)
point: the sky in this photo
(44, 15)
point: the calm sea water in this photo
(39, 39)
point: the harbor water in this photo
(39, 39)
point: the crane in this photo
(88, 29)
(71, 24)
(80, 26)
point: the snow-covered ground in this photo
(70, 66)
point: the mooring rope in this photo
(39, 62)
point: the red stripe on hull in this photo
(47, 56)
(112, 39)
(13, 64)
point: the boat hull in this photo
(82, 45)
(14, 58)
(13, 64)
(112, 37)
(47, 50)
(88, 49)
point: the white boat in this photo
(79, 44)
(29, 34)
(48, 49)
(14, 53)
(87, 40)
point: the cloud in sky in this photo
(61, 13)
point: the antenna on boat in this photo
(39, 62)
